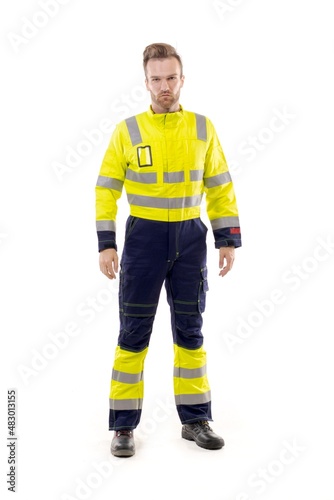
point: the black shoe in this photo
(123, 444)
(203, 435)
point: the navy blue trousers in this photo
(155, 253)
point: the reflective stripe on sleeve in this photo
(105, 225)
(134, 131)
(109, 182)
(201, 127)
(217, 180)
(223, 222)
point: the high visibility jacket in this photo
(166, 163)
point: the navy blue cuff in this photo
(227, 237)
(106, 239)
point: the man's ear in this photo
(146, 84)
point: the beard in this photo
(165, 100)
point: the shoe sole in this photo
(122, 453)
(207, 446)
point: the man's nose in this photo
(164, 85)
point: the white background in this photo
(272, 384)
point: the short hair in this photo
(160, 51)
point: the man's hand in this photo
(226, 259)
(109, 263)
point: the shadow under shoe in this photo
(122, 444)
(203, 435)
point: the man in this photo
(166, 158)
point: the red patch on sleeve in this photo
(235, 230)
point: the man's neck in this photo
(160, 111)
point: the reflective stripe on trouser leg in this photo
(126, 389)
(186, 287)
(143, 270)
(191, 386)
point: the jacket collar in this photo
(166, 120)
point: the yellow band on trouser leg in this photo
(127, 384)
(191, 386)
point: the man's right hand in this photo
(109, 263)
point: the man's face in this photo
(164, 82)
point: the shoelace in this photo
(204, 424)
(124, 432)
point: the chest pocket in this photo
(144, 163)
(144, 155)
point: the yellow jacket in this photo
(166, 162)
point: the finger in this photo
(106, 271)
(227, 267)
(116, 264)
(110, 273)
(224, 271)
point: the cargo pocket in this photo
(203, 288)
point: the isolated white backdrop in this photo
(268, 324)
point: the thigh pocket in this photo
(132, 298)
(203, 288)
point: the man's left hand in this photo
(226, 259)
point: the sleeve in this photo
(108, 190)
(221, 202)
